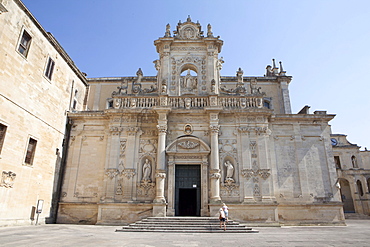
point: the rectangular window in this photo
(49, 68)
(30, 151)
(24, 44)
(2, 135)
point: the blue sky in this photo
(323, 44)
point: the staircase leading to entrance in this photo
(185, 224)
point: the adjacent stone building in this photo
(353, 169)
(39, 85)
(181, 142)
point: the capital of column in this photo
(160, 175)
(214, 128)
(162, 128)
(115, 130)
(131, 131)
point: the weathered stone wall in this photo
(33, 106)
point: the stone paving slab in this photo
(356, 234)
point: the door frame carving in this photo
(188, 150)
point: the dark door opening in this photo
(187, 202)
(187, 190)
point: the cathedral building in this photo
(115, 150)
(187, 139)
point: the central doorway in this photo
(187, 190)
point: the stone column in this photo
(171, 187)
(159, 207)
(215, 175)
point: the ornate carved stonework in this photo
(115, 130)
(257, 130)
(230, 188)
(255, 172)
(131, 131)
(214, 128)
(111, 172)
(146, 188)
(7, 179)
(215, 174)
(122, 147)
(162, 128)
(160, 175)
(119, 187)
(128, 173)
(148, 146)
(188, 144)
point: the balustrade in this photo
(191, 102)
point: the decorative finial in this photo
(188, 19)
(282, 72)
(275, 70)
(273, 63)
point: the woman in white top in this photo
(226, 211)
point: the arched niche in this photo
(226, 161)
(189, 80)
(144, 161)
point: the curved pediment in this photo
(188, 144)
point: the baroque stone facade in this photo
(185, 140)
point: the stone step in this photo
(356, 216)
(185, 224)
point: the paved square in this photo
(356, 233)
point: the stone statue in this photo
(209, 31)
(157, 64)
(146, 170)
(230, 170)
(164, 86)
(219, 63)
(168, 32)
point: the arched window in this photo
(359, 188)
(368, 185)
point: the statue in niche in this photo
(229, 171)
(189, 82)
(146, 170)
(354, 162)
